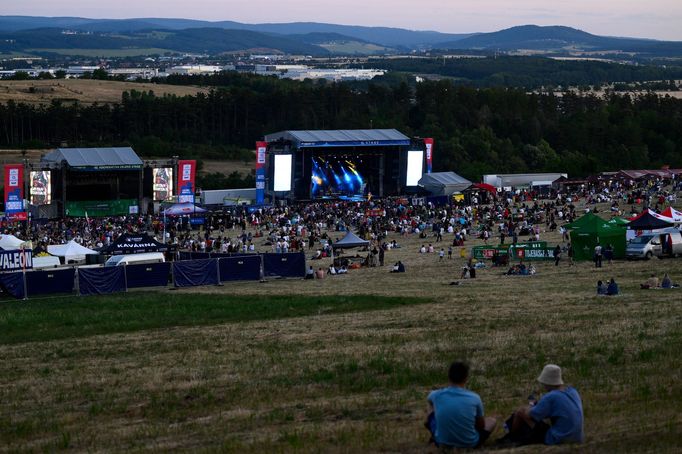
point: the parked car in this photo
(661, 243)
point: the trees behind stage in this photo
(476, 131)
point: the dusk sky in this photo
(661, 19)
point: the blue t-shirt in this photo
(456, 410)
(565, 409)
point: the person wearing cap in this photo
(561, 406)
(456, 419)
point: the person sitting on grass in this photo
(561, 406)
(456, 418)
(652, 282)
(666, 282)
(601, 288)
(612, 289)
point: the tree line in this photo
(476, 131)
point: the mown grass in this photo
(72, 317)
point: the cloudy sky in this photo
(661, 19)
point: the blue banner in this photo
(50, 282)
(240, 268)
(284, 265)
(16, 260)
(147, 275)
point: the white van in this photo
(661, 243)
(135, 259)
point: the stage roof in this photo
(122, 158)
(342, 138)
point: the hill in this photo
(199, 40)
(559, 38)
(385, 36)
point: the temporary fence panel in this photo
(147, 275)
(240, 268)
(50, 281)
(13, 283)
(100, 281)
(284, 265)
(191, 273)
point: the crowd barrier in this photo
(183, 273)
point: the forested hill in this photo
(476, 131)
(528, 72)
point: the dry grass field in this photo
(349, 380)
(82, 90)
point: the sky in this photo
(658, 19)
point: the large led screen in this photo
(282, 173)
(338, 176)
(41, 188)
(415, 167)
(163, 183)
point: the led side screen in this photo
(41, 193)
(415, 167)
(163, 183)
(282, 173)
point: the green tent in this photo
(619, 221)
(589, 230)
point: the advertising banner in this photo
(41, 187)
(14, 188)
(429, 154)
(487, 252)
(163, 183)
(16, 260)
(186, 181)
(261, 149)
(531, 251)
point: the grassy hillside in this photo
(341, 364)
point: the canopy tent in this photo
(180, 209)
(135, 243)
(486, 187)
(589, 230)
(71, 251)
(351, 240)
(619, 221)
(650, 220)
(10, 242)
(673, 214)
(443, 183)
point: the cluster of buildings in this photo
(295, 72)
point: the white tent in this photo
(10, 242)
(70, 251)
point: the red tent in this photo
(486, 187)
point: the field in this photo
(342, 364)
(82, 90)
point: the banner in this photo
(16, 260)
(261, 149)
(186, 181)
(41, 187)
(429, 154)
(14, 188)
(537, 250)
(163, 183)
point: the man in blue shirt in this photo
(457, 418)
(561, 406)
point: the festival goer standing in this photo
(557, 255)
(597, 255)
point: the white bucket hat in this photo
(551, 375)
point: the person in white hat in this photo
(556, 418)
